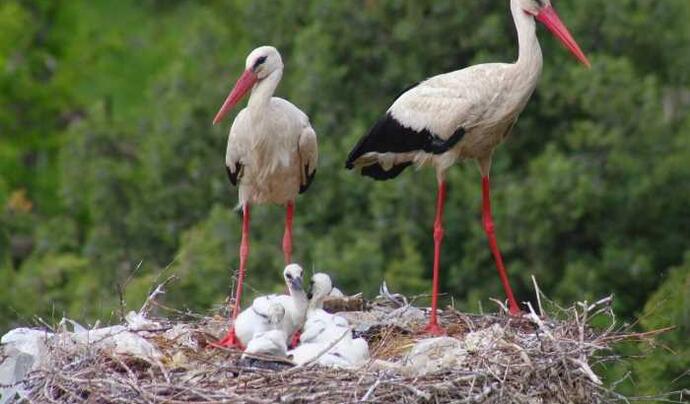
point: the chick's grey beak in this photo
(296, 283)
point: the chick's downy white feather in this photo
(325, 331)
(271, 342)
(275, 312)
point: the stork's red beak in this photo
(244, 84)
(548, 17)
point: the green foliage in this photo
(32, 104)
(105, 122)
(666, 369)
(205, 252)
(57, 285)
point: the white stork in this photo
(463, 114)
(272, 151)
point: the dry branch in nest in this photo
(492, 358)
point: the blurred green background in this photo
(111, 175)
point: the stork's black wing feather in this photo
(234, 177)
(390, 136)
(310, 178)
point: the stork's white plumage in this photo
(271, 342)
(357, 353)
(464, 114)
(341, 349)
(335, 292)
(320, 287)
(286, 313)
(323, 329)
(265, 314)
(320, 325)
(272, 151)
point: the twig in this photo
(502, 305)
(159, 290)
(371, 390)
(537, 292)
(554, 364)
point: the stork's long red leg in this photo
(244, 254)
(287, 236)
(493, 244)
(231, 340)
(433, 327)
(287, 254)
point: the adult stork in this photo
(463, 114)
(272, 151)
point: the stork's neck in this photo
(316, 303)
(263, 91)
(301, 301)
(529, 63)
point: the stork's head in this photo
(320, 287)
(293, 277)
(260, 63)
(263, 61)
(544, 12)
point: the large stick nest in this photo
(530, 359)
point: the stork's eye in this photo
(259, 61)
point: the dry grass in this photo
(538, 359)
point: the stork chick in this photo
(323, 329)
(286, 313)
(320, 287)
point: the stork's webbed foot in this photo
(434, 329)
(229, 341)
